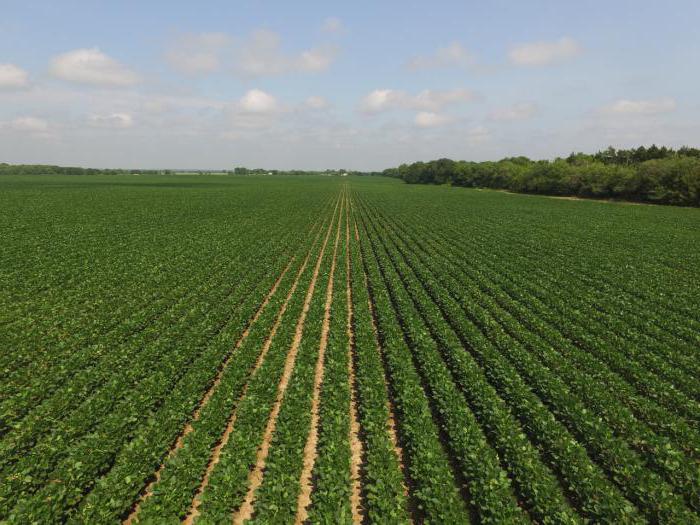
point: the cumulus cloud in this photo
(29, 125)
(259, 54)
(313, 60)
(380, 100)
(198, 53)
(522, 111)
(454, 55)
(13, 77)
(91, 66)
(112, 120)
(332, 25)
(640, 107)
(428, 119)
(316, 102)
(544, 53)
(262, 55)
(427, 100)
(257, 101)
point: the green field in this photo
(343, 350)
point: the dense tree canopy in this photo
(654, 174)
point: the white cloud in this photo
(641, 107)
(257, 101)
(544, 53)
(13, 77)
(332, 24)
(316, 102)
(198, 53)
(262, 55)
(380, 100)
(434, 100)
(428, 119)
(522, 111)
(167, 111)
(427, 100)
(30, 124)
(112, 120)
(314, 60)
(454, 55)
(91, 66)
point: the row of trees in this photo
(329, 172)
(634, 156)
(42, 169)
(659, 175)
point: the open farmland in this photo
(216, 349)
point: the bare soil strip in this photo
(216, 453)
(304, 499)
(148, 490)
(255, 477)
(356, 451)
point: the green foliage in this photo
(659, 175)
(539, 357)
(42, 169)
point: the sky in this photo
(361, 85)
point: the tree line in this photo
(646, 174)
(43, 169)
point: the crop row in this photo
(541, 298)
(116, 433)
(232, 483)
(331, 475)
(640, 484)
(536, 327)
(656, 451)
(110, 418)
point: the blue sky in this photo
(357, 85)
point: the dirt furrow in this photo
(304, 498)
(148, 490)
(255, 477)
(355, 442)
(216, 453)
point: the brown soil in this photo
(148, 490)
(216, 453)
(355, 442)
(304, 498)
(255, 477)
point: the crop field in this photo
(223, 349)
